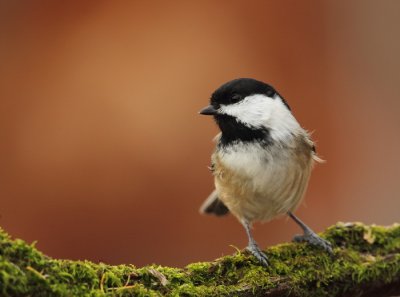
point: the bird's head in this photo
(246, 108)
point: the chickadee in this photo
(262, 160)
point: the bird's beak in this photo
(208, 110)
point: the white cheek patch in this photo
(252, 111)
(261, 111)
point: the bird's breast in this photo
(259, 183)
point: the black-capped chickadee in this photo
(262, 161)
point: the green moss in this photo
(363, 256)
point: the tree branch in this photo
(366, 262)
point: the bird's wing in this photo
(213, 205)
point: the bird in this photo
(262, 159)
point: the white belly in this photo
(258, 184)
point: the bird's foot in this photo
(261, 257)
(315, 240)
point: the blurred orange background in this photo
(104, 157)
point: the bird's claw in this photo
(315, 240)
(260, 256)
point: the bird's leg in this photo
(310, 236)
(253, 246)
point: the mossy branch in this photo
(366, 262)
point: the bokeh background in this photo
(104, 157)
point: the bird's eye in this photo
(215, 105)
(236, 98)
